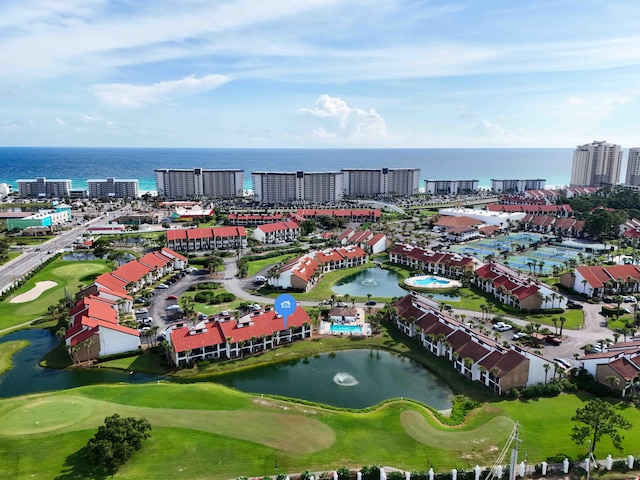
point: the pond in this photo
(376, 281)
(348, 379)
(27, 376)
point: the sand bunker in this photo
(35, 292)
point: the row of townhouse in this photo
(359, 215)
(548, 196)
(95, 329)
(596, 281)
(365, 239)
(511, 289)
(559, 226)
(620, 361)
(304, 272)
(254, 219)
(278, 232)
(471, 354)
(557, 210)
(209, 238)
(227, 338)
(452, 265)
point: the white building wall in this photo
(113, 342)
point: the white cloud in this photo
(340, 121)
(125, 95)
(60, 121)
(594, 108)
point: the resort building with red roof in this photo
(365, 239)
(619, 360)
(226, 337)
(453, 265)
(95, 317)
(511, 289)
(207, 239)
(304, 272)
(278, 232)
(596, 281)
(253, 219)
(470, 352)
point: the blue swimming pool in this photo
(426, 281)
(339, 328)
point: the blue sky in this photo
(319, 73)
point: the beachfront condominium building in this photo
(112, 188)
(372, 182)
(298, 187)
(43, 188)
(199, 182)
(633, 168)
(450, 187)
(596, 164)
(517, 186)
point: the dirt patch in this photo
(38, 289)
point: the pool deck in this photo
(435, 286)
(325, 327)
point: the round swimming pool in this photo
(431, 281)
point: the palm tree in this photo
(562, 321)
(88, 343)
(555, 324)
(613, 381)
(587, 348)
(468, 362)
(546, 367)
(73, 353)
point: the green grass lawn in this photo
(9, 256)
(7, 350)
(66, 274)
(257, 265)
(209, 431)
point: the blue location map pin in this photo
(285, 305)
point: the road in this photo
(33, 256)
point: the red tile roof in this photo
(253, 326)
(278, 226)
(623, 367)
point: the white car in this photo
(502, 327)
(141, 311)
(162, 286)
(518, 336)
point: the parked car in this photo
(574, 305)
(342, 304)
(172, 297)
(141, 311)
(502, 327)
(371, 303)
(629, 299)
(518, 336)
(162, 286)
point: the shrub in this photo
(343, 473)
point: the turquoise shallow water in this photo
(82, 164)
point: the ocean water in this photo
(82, 164)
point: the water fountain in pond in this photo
(369, 281)
(344, 379)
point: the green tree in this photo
(603, 224)
(308, 226)
(116, 441)
(4, 246)
(597, 419)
